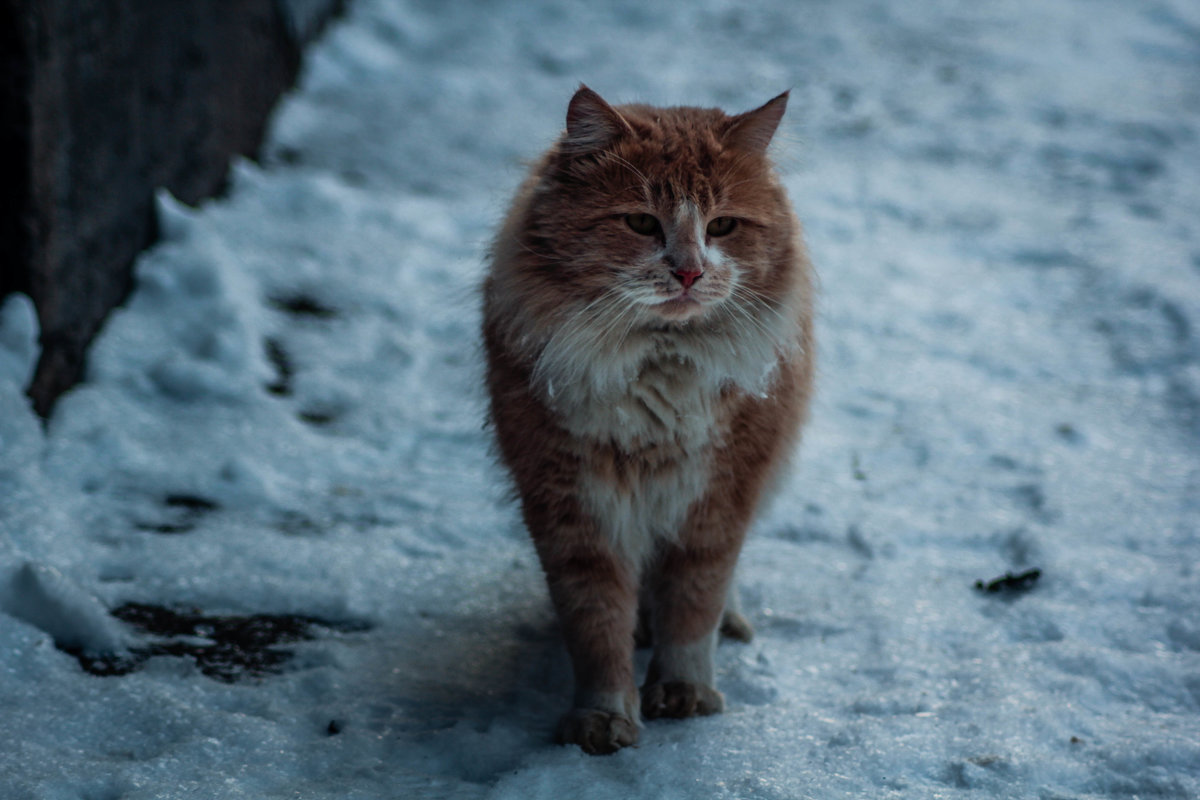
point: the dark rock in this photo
(103, 103)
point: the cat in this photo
(647, 327)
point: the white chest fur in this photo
(661, 429)
(659, 392)
(666, 402)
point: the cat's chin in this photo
(680, 309)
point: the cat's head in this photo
(662, 215)
(648, 233)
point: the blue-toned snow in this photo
(1003, 201)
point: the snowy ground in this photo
(1003, 200)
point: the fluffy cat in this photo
(647, 323)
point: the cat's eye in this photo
(721, 226)
(644, 224)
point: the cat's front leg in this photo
(689, 591)
(595, 594)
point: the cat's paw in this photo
(735, 626)
(597, 732)
(679, 699)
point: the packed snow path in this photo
(263, 551)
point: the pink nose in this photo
(687, 276)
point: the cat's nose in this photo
(687, 276)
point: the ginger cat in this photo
(648, 332)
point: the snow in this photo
(286, 419)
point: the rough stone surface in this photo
(102, 103)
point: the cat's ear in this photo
(592, 124)
(752, 131)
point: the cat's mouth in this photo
(680, 307)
